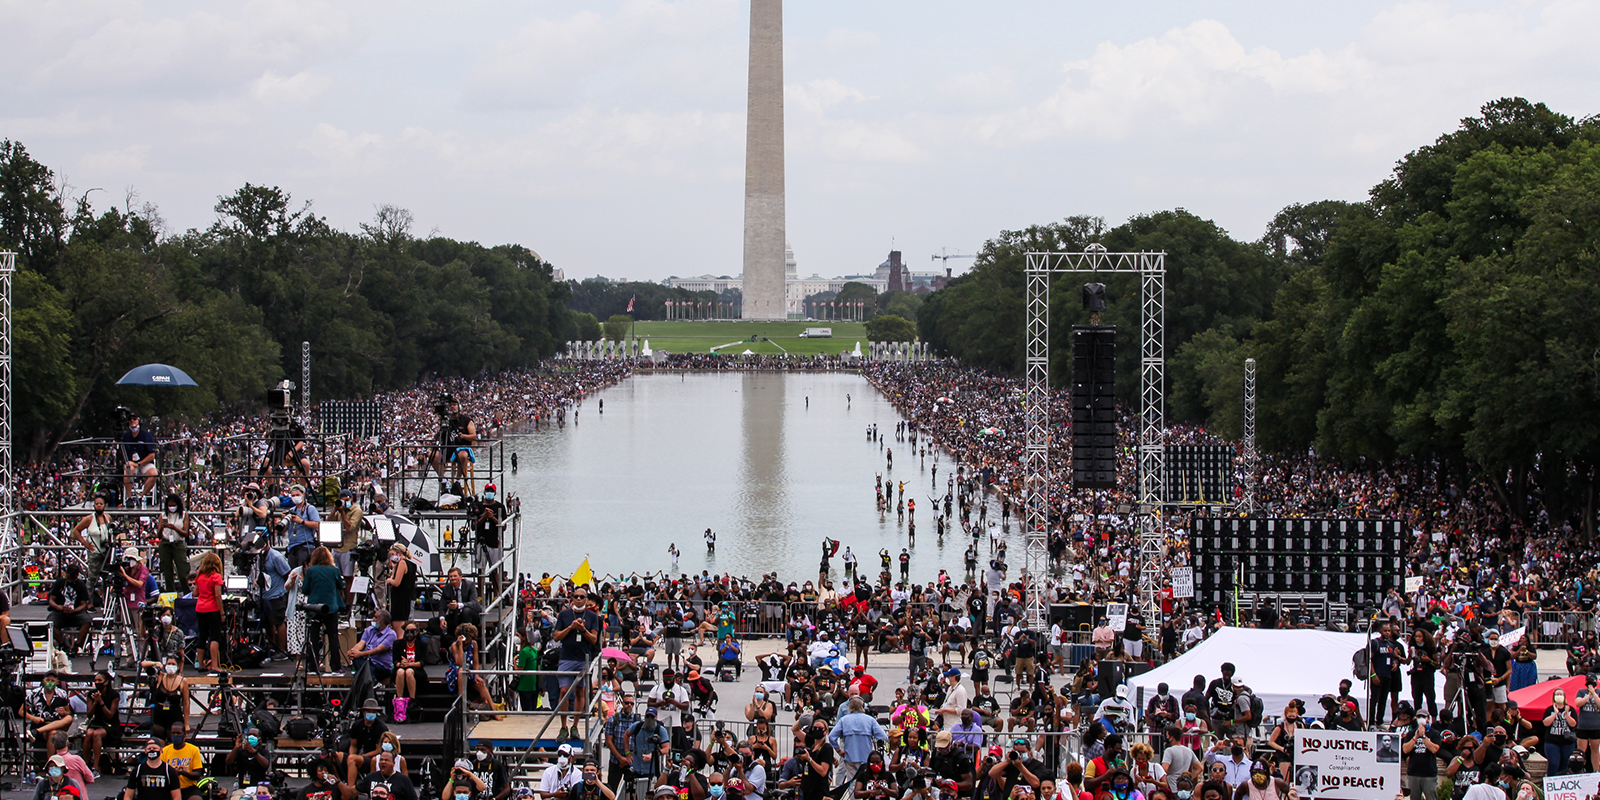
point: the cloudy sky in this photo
(609, 135)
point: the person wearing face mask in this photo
(349, 516)
(1184, 788)
(409, 673)
(493, 772)
(173, 548)
(1491, 785)
(47, 709)
(275, 601)
(951, 761)
(387, 778)
(105, 723)
(151, 778)
(1560, 721)
(817, 760)
(1261, 785)
(375, 649)
(366, 740)
(557, 778)
(402, 583)
(185, 759)
(1230, 755)
(139, 458)
(1162, 710)
(1119, 785)
(874, 781)
(251, 758)
(670, 700)
(760, 706)
(1281, 740)
(69, 608)
(76, 768)
(486, 527)
(301, 521)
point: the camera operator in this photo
(275, 601)
(457, 434)
(253, 513)
(486, 550)
(134, 576)
(139, 458)
(251, 758)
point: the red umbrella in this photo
(1535, 700)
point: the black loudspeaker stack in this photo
(1354, 561)
(355, 417)
(1199, 474)
(1094, 406)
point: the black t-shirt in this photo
(812, 785)
(1421, 763)
(576, 647)
(1500, 658)
(672, 627)
(152, 783)
(318, 791)
(917, 644)
(400, 787)
(987, 704)
(952, 764)
(69, 593)
(880, 783)
(249, 768)
(489, 529)
(458, 429)
(1012, 774)
(1220, 695)
(367, 737)
(1025, 646)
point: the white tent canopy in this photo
(1278, 665)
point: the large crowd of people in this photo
(1439, 674)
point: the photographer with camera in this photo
(457, 434)
(139, 458)
(349, 517)
(134, 576)
(466, 785)
(251, 758)
(302, 520)
(94, 532)
(1019, 766)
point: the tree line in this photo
(99, 291)
(1451, 320)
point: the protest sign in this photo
(1346, 765)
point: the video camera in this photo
(442, 408)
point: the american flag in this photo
(630, 303)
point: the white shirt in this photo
(849, 557)
(820, 649)
(1124, 709)
(556, 778)
(1484, 791)
(670, 716)
(955, 701)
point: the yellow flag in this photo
(584, 576)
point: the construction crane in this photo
(945, 256)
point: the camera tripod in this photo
(113, 628)
(311, 652)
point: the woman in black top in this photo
(402, 586)
(1424, 663)
(104, 726)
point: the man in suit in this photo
(460, 599)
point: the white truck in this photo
(817, 333)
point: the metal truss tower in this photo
(305, 382)
(1249, 459)
(8, 483)
(1041, 269)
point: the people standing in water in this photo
(711, 541)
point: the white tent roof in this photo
(1278, 665)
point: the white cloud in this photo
(297, 88)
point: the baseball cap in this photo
(952, 673)
(1122, 691)
(651, 712)
(488, 487)
(462, 763)
(567, 749)
(942, 739)
(666, 791)
(58, 761)
(1238, 681)
(1351, 705)
(371, 705)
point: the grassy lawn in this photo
(699, 337)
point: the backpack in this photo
(1360, 666)
(1257, 708)
(267, 722)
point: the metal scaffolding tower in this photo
(305, 382)
(1248, 459)
(8, 483)
(1041, 268)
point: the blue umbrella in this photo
(156, 375)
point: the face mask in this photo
(177, 740)
(166, 620)
(388, 747)
(371, 717)
(488, 495)
(253, 740)
(1184, 794)
(876, 767)
(1188, 716)
(463, 795)
(1258, 779)
(1237, 751)
(152, 755)
(717, 790)
(49, 686)
(172, 669)
(561, 762)
(394, 559)
(411, 635)
(1120, 787)
(172, 509)
(480, 755)
(55, 772)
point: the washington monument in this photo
(764, 235)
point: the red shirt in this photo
(205, 592)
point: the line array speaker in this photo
(1199, 474)
(1353, 561)
(1094, 406)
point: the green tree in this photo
(33, 221)
(617, 327)
(585, 328)
(890, 328)
(856, 292)
(900, 304)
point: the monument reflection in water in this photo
(744, 454)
